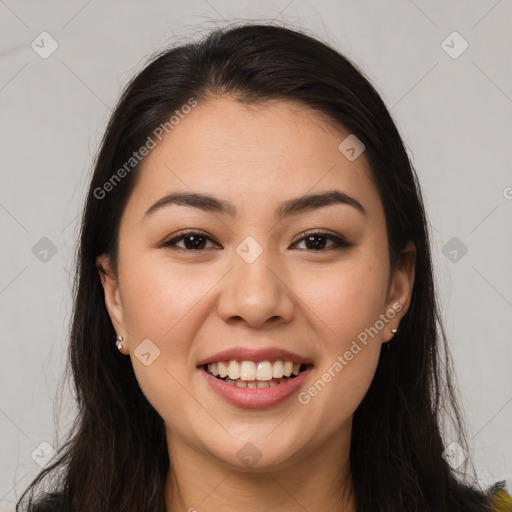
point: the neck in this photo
(321, 480)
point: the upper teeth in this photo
(249, 370)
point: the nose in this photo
(256, 293)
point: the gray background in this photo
(454, 115)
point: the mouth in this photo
(255, 374)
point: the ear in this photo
(400, 289)
(112, 296)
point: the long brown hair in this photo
(116, 458)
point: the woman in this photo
(255, 324)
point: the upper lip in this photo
(251, 354)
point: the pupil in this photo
(317, 245)
(194, 246)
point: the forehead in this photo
(253, 153)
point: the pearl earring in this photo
(394, 330)
(119, 339)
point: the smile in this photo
(255, 384)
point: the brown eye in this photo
(192, 241)
(314, 241)
(317, 241)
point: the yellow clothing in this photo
(502, 502)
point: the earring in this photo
(119, 339)
(394, 330)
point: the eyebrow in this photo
(287, 208)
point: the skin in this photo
(192, 304)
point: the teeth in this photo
(254, 384)
(277, 370)
(233, 370)
(264, 371)
(223, 369)
(248, 371)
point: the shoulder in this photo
(501, 500)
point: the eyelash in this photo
(339, 241)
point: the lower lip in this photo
(247, 398)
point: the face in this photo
(254, 271)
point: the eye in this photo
(192, 241)
(317, 240)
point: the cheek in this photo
(346, 298)
(166, 303)
(159, 297)
(347, 303)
